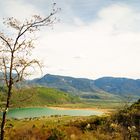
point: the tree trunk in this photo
(5, 114)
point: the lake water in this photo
(38, 112)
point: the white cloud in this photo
(107, 50)
(120, 18)
(110, 45)
(18, 9)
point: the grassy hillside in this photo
(43, 96)
(39, 96)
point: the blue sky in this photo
(94, 38)
(86, 10)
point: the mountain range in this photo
(105, 87)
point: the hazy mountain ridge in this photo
(105, 86)
(69, 84)
(119, 86)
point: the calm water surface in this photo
(38, 112)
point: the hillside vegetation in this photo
(39, 96)
(44, 96)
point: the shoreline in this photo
(105, 111)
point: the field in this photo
(96, 103)
(55, 128)
(118, 126)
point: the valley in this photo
(66, 108)
(69, 92)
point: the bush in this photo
(56, 135)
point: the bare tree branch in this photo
(15, 53)
(6, 42)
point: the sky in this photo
(94, 38)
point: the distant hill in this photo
(65, 83)
(106, 87)
(120, 86)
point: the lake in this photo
(20, 113)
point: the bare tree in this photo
(15, 53)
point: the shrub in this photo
(56, 135)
